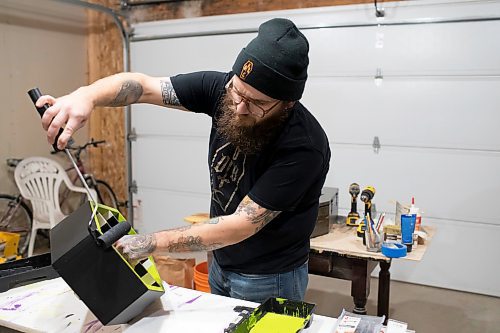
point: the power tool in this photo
(366, 196)
(353, 216)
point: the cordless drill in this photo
(366, 196)
(353, 215)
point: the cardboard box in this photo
(114, 289)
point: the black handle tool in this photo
(35, 94)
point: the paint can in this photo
(200, 277)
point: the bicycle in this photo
(71, 200)
(15, 215)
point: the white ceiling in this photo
(45, 13)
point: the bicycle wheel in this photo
(16, 217)
(105, 194)
(70, 201)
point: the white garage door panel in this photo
(161, 209)
(180, 55)
(428, 113)
(156, 120)
(422, 49)
(452, 246)
(171, 163)
(441, 182)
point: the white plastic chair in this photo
(39, 180)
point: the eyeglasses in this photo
(252, 106)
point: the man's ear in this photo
(289, 104)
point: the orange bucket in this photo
(201, 277)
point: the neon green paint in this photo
(278, 323)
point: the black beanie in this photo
(275, 62)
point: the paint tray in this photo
(25, 271)
(280, 306)
(115, 289)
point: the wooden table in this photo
(341, 254)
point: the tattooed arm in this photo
(115, 90)
(218, 232)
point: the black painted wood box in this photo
(114, 289)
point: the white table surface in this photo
(51, 306)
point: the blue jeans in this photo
(258, 287)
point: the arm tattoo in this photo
(144, 243)
(251, 209)
(129, 93)
(191, 243)
(213, 220)
(168, 94)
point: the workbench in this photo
(341, 254)
(51, 306)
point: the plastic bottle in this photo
(415, 210)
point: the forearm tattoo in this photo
(258, 216)
(168, 94)
(129, 93)
(191, 243)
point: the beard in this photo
(244, 132)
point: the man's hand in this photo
(71, 112)
(137, 246)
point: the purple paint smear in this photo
(12, 306)
(190, 301)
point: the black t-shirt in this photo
(286, 176)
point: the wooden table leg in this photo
(360, 285)
(384, 284)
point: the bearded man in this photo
(268, 160)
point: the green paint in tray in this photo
(278, 323)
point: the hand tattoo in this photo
(138, 246)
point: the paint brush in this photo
(368, 223)
(380, 221)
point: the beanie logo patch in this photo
(247, 69)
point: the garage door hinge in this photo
(132, 136)
(133, 187)
(376, 145)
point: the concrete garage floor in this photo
(425, 309)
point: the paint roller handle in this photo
(112, 235)
(35, 94)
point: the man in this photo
(268, 160)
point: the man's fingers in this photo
(123, 240)
(45, 99)
(64, 138)
(58, 122)
(70, 128)
(49, 114)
